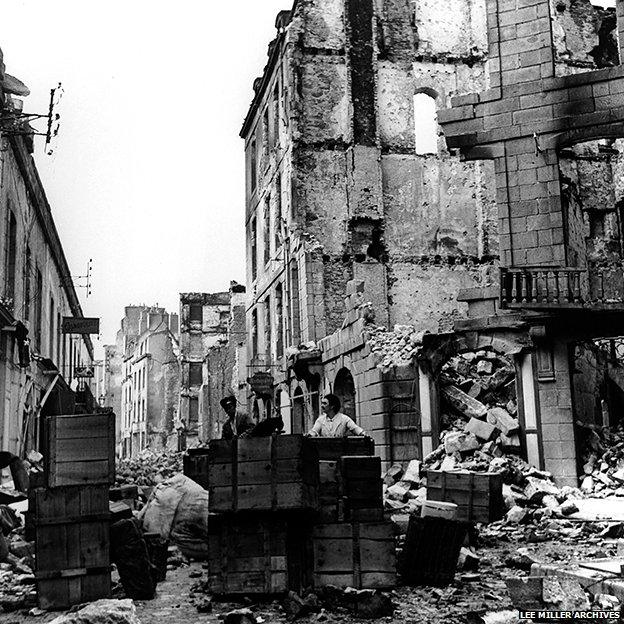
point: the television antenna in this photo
(15, 122)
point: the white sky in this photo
(147, 177)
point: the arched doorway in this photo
(344, 389)
(298, 412)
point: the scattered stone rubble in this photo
(394, 348)
(17, 591)
(481, 434)
(102, 612)
(148, 469)
(603, 461)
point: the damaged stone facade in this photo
(551, 121)
(212, 360)
(363, 212)
(148, 342)
(338, 187)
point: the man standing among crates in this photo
(238, 423)
(333, 423)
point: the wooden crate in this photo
(80, 449)
(257, 554)
(361, 483)
(274, 473)
(431, 550)
(195, 465)
(351, 489)
(360, 555)
(478, 495)
(332, 449)
(72, 560)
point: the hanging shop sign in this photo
(84, 372)
(261, 383)
(75, 325)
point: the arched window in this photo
(425, 123)
(344, 389)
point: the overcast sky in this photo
(147, 174)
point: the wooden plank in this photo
(258, 472)
(369, 580)
(82, 426)
(79, 472)
(248, 564)
(250, 449)
(247, 583)
(332, 449)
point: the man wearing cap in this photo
(238, 423)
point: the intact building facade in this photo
(38, 362)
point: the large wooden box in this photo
(478, 495)
(195, 465)
(275, 473)
(431, 550)
(80, 449)
(360, 555)
(72, 560)
(332, 449)
(351, 489)
(257, 554)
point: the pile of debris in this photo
(480, 433)
(479, 407)
(17, 579)
(529, 494)
(148, 469)
(603, 460)
(394, 348)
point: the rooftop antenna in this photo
(86, 277)
(15, 122)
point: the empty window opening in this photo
(267, 229)
(254, 333)
(254, 248)
(195, 374)
(195, 312)
(278, 212)
(253, 166)
(425, 124)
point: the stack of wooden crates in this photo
(70, 510)
(289, 512)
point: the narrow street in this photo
(312, 311)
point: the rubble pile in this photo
(480, 433)
(148, 469)
(603, 460)
(394, 348)
(17, 579)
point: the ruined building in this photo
(349, 182)
(149, 379)
(401, 156)
(212, 359)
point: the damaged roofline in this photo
(266, 75)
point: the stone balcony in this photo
(543, 288)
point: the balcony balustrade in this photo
(543, 288)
